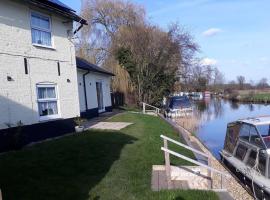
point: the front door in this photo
(100, 97)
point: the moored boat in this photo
(178, 106)
(247, 153)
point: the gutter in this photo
(84, 88)
(78, 29)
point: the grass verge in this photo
(97, 165)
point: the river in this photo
(214, 114)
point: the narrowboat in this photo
(247, 152)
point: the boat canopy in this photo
(256, 131)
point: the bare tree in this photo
(241, 81)
(263, 83)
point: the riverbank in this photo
(230, 183)
(249, 96)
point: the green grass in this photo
(98, 165)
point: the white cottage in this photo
(38, 74)
(94, 89)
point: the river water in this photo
(214, 114)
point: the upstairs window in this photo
(41, 30)
(47, 102)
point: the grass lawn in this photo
(97, 165)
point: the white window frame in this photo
(41, 29)
(48, 117)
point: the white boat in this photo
(178, 106)
(247, 152)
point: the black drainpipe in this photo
(84, 87)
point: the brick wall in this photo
(18, 98)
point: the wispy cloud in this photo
(211, 32)
(209, 61)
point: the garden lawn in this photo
(98, 165)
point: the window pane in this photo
(47, 108)
(254, 137)
(264, 130)
(262, 163)
(41, 37)
(40, 22)
(244, 131)
(252, 158)
(46, 93)
(51, 92)
(42, 93)
(241, 152)
(52, 108)
(42, 107)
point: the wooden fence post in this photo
(167, 165)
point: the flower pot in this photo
(79, 129)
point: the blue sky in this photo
(233, 34)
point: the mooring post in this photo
(167, 165)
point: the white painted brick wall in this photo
(18, 99)
(91, 89)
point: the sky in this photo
(233, 35)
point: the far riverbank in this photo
(249, 96)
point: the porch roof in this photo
(85, 65)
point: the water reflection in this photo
(213, 115)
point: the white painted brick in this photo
(18, 99)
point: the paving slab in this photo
(110, 125)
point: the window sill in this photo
(43, 46)
(49, 118)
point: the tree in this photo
(241, 81)
(105, 18)
(144, 57)
(263, 83)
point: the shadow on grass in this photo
(67, 168)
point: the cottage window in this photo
(41, 30)
(47, 102)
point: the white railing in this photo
(155, 109)
(167, 153)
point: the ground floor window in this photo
(47, 99)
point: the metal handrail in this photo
(193, 161)
(185, 146)
(167, 153)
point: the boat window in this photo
(241, 152)
(244, 132)
(262, 163)
(254, 137)
(264, 131)
(252, 158)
